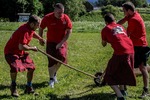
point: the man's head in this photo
(128, 8)
(34, 22)
(58, 10)
(109, 18)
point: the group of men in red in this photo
(130, 48)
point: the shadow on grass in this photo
(4, 97)
(20, 86)
(100, 96)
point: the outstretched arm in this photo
(26, 47)
(122, 21)
(41, 40)
(41, 35)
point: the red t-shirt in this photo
(137, 29)
(22, 35)
(56, 27)
(116, 35)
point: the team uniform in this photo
(19, 60)
(119, 70)
(138, 36)
(55, 34)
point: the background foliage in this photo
(137, 3)
(74, 8)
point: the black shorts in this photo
(141, 55)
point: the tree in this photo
(72, 7)
(109, 9)
(10, 8)
(137, 3)
(30, 6)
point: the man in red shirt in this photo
(16, 56)
(137, 33)
(119, 70)
(59, 27)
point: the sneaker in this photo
(121, 98)
(55, 79)
(13, 89)
(124, 93)
(29, 89)
(51, 83)
(144, 93)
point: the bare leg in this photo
(13, 76)
(137, 71)
(54, 69)
(30, 75)
(51, 71)
(121, 87)
(145, 75)
(116, 90)
(13, 88)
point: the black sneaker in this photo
(121, 98)
(29, 89)
(124, 93)
(144, 93)
(13, 89)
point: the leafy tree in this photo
(10, 8)
(109, 9)
(72, 7)
(30, 6)
(137, 3)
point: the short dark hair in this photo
(33, 19)
(109, 18)
(59, 5)
(129, 5)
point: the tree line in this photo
(74, 8)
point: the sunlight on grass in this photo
(85, 53)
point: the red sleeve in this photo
(43, 23)
(69, 23)
(103, 34)
(131, 26)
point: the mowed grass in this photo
(85, 52)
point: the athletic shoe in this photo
(144, 93)
(121, 98)
(13, 89)
(55, 79)
(51, 83)
(29, 89)
(124, 93)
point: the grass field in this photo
(85, 52)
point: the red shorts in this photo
(19, 63)
(119, 70)
(60, 54)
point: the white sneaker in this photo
(55, 79)
(51, 83)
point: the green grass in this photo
(85, 52)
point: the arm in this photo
(41, 32)
(26, 47)
(64, 39)
(41, 40)
(104, 43)
(41, 35)
(122, 21)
